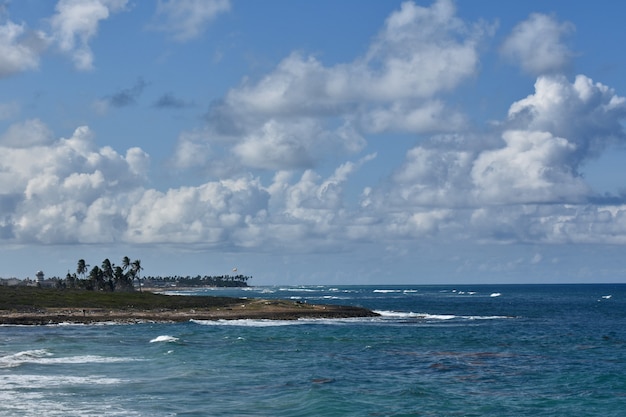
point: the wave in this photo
(164, 338)
(411, 315)
(277, 323)
(298, 289)
(16, 359)
(21, 381)
(495, 294)
(249, 322)
(44, 357)
(387, 291)
(425, 316)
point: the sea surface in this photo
(501, 350)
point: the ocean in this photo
(481, 350)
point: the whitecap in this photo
(164, 338)
(495, 294)
(249, 322)
(44, 357)
(425, 316)
(19, 381)
(16, 359)
(607, 297)
(277, 323)
(386, 291)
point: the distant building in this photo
(39, 276)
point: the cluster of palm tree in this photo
(107, 277)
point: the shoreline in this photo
(259, 309)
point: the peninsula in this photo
(40, 306)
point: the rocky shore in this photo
(243, 309)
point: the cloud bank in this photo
(266, 144)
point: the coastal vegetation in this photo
(24, 305)
(28, 298)
(126, 277)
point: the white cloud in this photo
(187, 19)
(203, 215)
(537, 45)
(587, 114)
(416, 55)
(277, 146)
(19, 49)
(26, 134)
(76, 23)
(519, 182)
(192, 150)
(431, 116)
(537, 159)
(419, 53)
(533, 167)
(55, 186)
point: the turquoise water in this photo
(557, 350)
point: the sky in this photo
(315, 142)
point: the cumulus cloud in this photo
(532, 167)
(19, 48)
(519, 182)
(206, 214)
(419, 53)
(53, 186)
(586, 113)
(522, 184)
(537, 45)
(26, 134)
(192, 150)
(187, 19)
(76, 22)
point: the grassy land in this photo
(29, 298)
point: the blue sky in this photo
(351, 142)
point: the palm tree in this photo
(107, 272)
(136, 268)
(81, 268)
(96, 278)
(125, 263)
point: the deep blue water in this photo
(506, 350)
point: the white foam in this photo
(18, 381)
(249, 322)
(607, 297)
(16, 359)
(399, 314)
(426, 316)
(43, 357)
(495, 294)
(277, 323)
(386, 291)
(164, 338)
(298, 290)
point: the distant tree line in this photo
(199, 281)
(111, 277)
